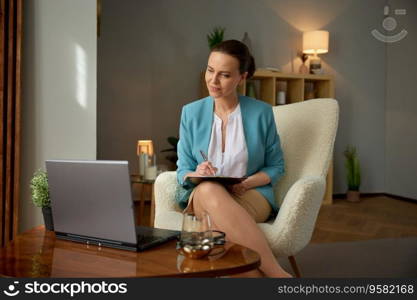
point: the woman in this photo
(239, 135)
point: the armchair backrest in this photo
(307, 131)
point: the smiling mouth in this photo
(214, 88)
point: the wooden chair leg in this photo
(294, 266)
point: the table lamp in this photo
(315, 42)
(147, 160)
(145, 147)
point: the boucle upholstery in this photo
(307, 131)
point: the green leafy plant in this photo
(215, 37)
(173, 141)
(352, 165)
(40, 189)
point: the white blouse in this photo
(234, 161)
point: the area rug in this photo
(389, 258)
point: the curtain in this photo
(10, 106)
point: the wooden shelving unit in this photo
(297, 87)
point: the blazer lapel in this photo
(244, 108)
(207, 122)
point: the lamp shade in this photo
(145, 147)
(316, 42)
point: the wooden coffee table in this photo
(37, 253)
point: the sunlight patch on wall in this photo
(81, 76)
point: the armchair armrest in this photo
(292, 229)
(165, 186)
(167, 212)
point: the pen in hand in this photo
(205, 158)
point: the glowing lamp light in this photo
(316, 42)
(145, 147)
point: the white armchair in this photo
(307, 131)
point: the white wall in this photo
(401, 106)
(59, 89)
(151, 53)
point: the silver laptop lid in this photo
(92, 198)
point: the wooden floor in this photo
(372, 218)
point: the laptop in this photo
(92, 203)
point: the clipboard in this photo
(225, 180)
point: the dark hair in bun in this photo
(239, 51)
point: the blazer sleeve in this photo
(274, 160)
(186, 163)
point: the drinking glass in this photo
(196, 240)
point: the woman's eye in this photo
(210, 71)
(226, 75)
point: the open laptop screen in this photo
(92, 199)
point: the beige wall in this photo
(401, 106)
(59, 89)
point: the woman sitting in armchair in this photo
(239, 135)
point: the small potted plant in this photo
(215, 37)
(40, 197)
(353, 174)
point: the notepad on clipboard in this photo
(226, 180)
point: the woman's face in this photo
(222, 75)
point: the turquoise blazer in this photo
(262, 141)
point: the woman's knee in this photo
(209, 187)
(208, 195)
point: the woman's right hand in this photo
(206, 169)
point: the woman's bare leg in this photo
(234, 220)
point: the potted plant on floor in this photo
(353, 174)
(40, 197)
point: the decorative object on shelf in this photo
(281, 98)
(215, 37)
(40, 197)
(353, 174)
(309, 92)
(147, 159)
(316, 42)
(303, 68)
(173, 141)
(151, 170)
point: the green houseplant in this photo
(40, 197)
(215, 37)
(353, 174)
